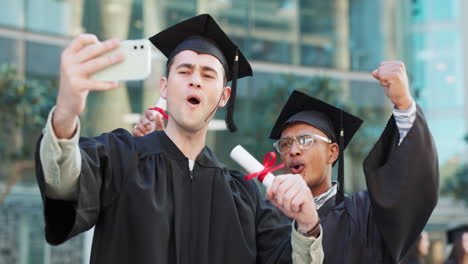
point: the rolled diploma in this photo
(250, 164)
(161, 104)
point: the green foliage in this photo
(24, 104)
(457, 185)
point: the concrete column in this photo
(109, 108)
(154, 20)
(154, 16)
(76, 26)
(388, 28)
(203, 7)
(23, 240)
(342, 62)
(342, 58)
(115, 18)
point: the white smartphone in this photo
(135, 66)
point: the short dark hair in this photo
(171, 61)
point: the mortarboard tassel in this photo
(232, 100)
(340, 192)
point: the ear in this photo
(333, 153)
(225, 96)
(163, 87)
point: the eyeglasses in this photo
(304, 142)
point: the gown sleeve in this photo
(402, 182)
(273, 234)
(105, 160)
(272, 228)
(306, 250)
(60, 161)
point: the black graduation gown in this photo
(147, 207)
(379, 225)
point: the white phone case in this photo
(135, 66)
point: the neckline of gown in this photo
(329, 205)
(206, 158)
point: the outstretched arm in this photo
(59, 151)
(58, 156)
(402, 179)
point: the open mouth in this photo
(193, 99)
(296, 166)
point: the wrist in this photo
(64, 124)
(404, 104)
(306, 227)
(313, 231)
(62, 110)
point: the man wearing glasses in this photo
(380, 224)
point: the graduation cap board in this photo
(456, 233)
(338, 125)
(203, 35)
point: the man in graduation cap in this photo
(458, 237)
(164, 197)
(378, 225)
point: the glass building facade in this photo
(327, 48)
(438, 39)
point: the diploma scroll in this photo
(161, 104)
(250, 164)
(159, 109)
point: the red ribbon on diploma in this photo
(268, 162)
(161, 111)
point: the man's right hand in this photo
(77, 65)
(290, 194)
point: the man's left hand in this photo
(148, 123)
(392, 76)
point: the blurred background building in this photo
(327, 48)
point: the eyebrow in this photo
(207, 68)
(191, 67)
(300, 135)
(185, 65)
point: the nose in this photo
(295, 150)
(195, 81)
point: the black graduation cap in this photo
(456, 233)
(338, 125)
(203, 35)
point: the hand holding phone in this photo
(77, 63)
